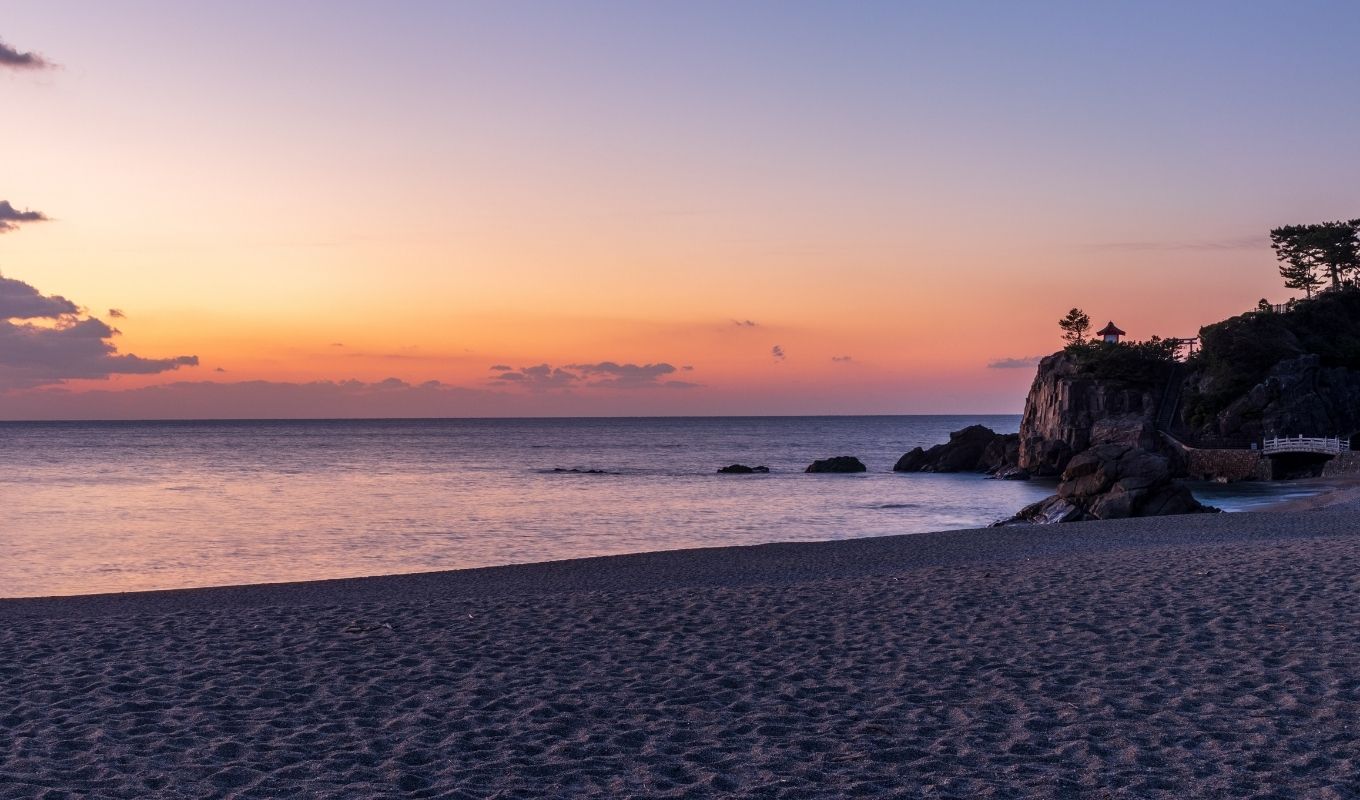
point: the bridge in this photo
(1321, 445)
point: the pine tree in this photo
(1074, 326)
(1311, 255)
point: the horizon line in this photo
(479, 419)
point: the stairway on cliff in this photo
(1171, 399)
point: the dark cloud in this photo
(539, 378)
(688, 368)
(1014, 363)
(745, 323)
(63, 345)
(842, 359)
(608, 374)
(778, 353)
(19, 300)
(117, 313)
(501, 368)
(219, 369)
(13, 59)
(11, 217)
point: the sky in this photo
(333, 209)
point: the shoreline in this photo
(708, 566)
(1332, 491)
(1204, 655)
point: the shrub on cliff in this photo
(1237, 353)
(1136, 362)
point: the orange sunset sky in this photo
(679, 209)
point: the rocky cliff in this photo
(1298, 396)
(1070, 409)
(1264, 374)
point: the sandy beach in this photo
(1203, 656)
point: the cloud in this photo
(13, 59)
(62, 344)
(629, 376)
(842, 359)
(745, 323)
(778, 353)
(19, 300)
(1014, 363)
(11, 217)
(117, 313)
(601, 375)
(539, 378)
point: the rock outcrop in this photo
(1113, 481)
(976, 448)
(741, 469)
(837, 464)
(1068, 411)
(1299, 396)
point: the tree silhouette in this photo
(1312, 255)
(1074, 326)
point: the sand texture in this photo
(1207, 656)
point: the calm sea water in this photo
(98, 507)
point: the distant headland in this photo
(1270, 394)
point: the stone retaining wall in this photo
(1346, 463)
(1230, 465)
(1209, 464)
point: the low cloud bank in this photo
(1015, 363)
(601, 375)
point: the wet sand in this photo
(1201, 656)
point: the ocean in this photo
(89, 507)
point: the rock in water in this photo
(976, 448)
(838, 464)
(1113, 481)
(741, 469)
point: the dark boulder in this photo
(976, 448)
(915, 460)
(1113, 481)
(838, 464)
(741, 469)
(1001, 454)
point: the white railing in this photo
(1304, 444)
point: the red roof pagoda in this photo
(1110, 333)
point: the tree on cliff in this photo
(1074, 326)
(1311, 255)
